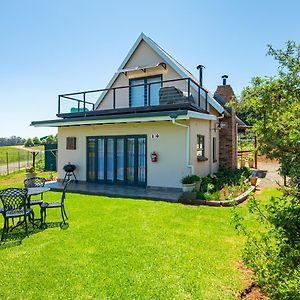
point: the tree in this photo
(273, 107)
(36, 141)
(29, 143)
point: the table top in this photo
(37, 190)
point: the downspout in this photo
(188, 165)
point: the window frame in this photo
(146, 90)
(214, 149)
(202, 149)
(71, 143)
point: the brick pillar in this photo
(228, 134)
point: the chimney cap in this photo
(200, 67)
(225, 76)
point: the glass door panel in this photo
(153, 90)
(91, 160)
(130, 160)
(137, 93)
(110, 160)
(120, 159)
(101, 159)
(141, 160)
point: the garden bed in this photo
(224, 188)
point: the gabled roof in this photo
(168, 59)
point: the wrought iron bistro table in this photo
(35, 191)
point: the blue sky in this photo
(54, 47)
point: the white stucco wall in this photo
(206, 128)
(170, 147)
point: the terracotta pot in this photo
(250, 163)
(242, 163)
(253, 180)
(188, 187)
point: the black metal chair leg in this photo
(62, 215)
(3, 230)
(26, 225)
(65, 213)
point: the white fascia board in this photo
(110, 121)
(197, 115)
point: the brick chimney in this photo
(227, 134)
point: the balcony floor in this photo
(119, 191)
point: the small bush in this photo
(187, 179)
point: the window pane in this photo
(141, 160)
(101, 159)
(153, 90)
(92, 159)
(120, 159)
(137, 94)
(130, 160)
(110, 159)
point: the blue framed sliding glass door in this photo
(117, 159)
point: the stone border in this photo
(238, 200)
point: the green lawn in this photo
(126, 249)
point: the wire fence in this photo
(12, 161)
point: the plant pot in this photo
(251, 163)
(30, 175)
(253, 180)
(197, 185)
(188, 187)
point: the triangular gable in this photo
(168, 59)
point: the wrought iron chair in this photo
(35, 182)
(61, 205)
(14, 203)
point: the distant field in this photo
(14, 154)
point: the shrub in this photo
(187, 179)
(195, 177)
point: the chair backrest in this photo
(13, 198)
(34, 182)
(63, 196)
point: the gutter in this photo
(188, 165)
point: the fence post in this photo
(19, 160)
(7, 168)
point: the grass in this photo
(14, 154)
(126, 249)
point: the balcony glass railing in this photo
(151, 93)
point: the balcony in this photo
(182, 93)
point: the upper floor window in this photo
(144, 94)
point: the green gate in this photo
(50, 157)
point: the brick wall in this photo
(228, 135)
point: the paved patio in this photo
(119, 191)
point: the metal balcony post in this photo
(58, 104)
(84, 102)
(114, 98)
(189, 87)
(206, 106)
(199, 90)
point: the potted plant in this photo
(30, 172)
(188, 183)
(197, 182)
(251, 161)
(253, 180)
(242, 162)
